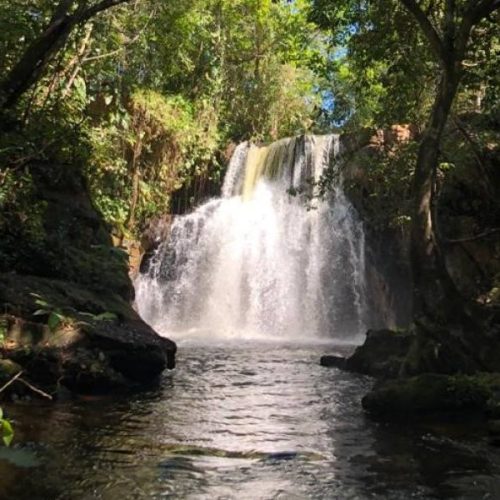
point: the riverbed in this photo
(241, 420)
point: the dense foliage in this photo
(144, 98)
(6, 431)
(385, 72)
(147, 95)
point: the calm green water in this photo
(249, 421)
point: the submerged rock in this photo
(333, 361)
(427, 393)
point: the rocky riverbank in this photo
(427, 368)
(66, 315)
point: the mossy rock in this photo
(120, 350)
(20, 295)
(390, 354)
(103, 356)
(8, 369)
(382, 354)
(65, 293)
(431, 393)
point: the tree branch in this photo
(11, 381)
(28, 70)
(428, 29)
(475, 237)
(124, 46)
(475, 12)
(480, 10)
(62, 9)
(36, 389)
(449, 26)
(95, 9)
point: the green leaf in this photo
(40, 302)
(7, 432)
(106, 316)
(41, 312)
(54, 320)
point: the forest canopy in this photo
(147, 95)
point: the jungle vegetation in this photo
(147, 98)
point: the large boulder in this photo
(65, 293)
(382, 354)
(434, 393)
(83, 339)
(389, 354)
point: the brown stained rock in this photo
(158, 230)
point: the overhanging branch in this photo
(475, 12)
(95, 9)
(428, 29)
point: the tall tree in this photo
(448, 32)
(438, 43)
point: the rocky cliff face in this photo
(388, 270)
(377, 169)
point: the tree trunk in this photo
(29, 69)
(75, 65)
(136, 177)
(436, 299)
(31, 65)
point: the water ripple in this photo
(239, 423)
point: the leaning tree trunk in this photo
(30, 67)
(32, 63)
(436, 299)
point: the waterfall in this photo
(268, 258)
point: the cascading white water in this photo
(260, 261)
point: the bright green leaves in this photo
(6, 431)
(201, 74)
(270, 86)
(381, 47)
(148, 95)
(392, 70)
(55, 317)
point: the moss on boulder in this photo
(99, 342)
(65, 294)
(434, 393)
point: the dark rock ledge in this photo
(433, 373)
(98, 343)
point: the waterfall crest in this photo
(258, 261)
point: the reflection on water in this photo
(253, 421)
